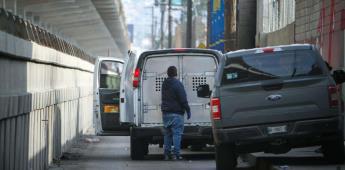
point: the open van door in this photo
(107, 79)
(127, 92)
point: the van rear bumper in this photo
(192, 134)
(298, 134)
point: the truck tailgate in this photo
(299, 99)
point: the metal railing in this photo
(24, 29)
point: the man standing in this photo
(174, 105)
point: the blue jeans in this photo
(173, 130)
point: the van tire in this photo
(334, 152)
(138, 148)
(226, 158)
(197, 147)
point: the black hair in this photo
(172, 71)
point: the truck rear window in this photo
(266, 66)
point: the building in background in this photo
(275, 22)
(199, 23)
(320, 22)
(231, 24)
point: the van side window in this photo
(258, 67)
(110, 75)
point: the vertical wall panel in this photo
(13, 143)
(26, 141)
(30, 138)
(18, 143)
(2, 144)
(7, 144)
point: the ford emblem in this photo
(274, 97)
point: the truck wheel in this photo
(334, 151)
(226, 158)
(139, 148)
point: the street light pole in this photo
(153, 28)
(162, 23)
(169, 25)
(189, 24)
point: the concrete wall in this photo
(45, 102)
(283, 36)
(319, 22)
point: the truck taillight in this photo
(136, 78)
(333, 96)
(215, 108)
(268, 50)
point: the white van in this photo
(107, 79)
(141, 96)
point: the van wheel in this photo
(197, 147)
(184, 145)
(139, 148)
(226, 158)
(334, 151)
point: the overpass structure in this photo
(47, 54)
(98, 26)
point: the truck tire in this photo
(138, 148)
(226, 158)
(333, 152)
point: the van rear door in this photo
(198, 70)
(193, 70)
(154, 73)
(109, 93)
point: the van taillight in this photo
(333, 96)
(215, 108)
(136, 78)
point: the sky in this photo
(139, 13)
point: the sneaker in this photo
(177, 158)
(168, 157)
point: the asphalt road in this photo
(112, 153)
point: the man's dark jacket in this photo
(174, 98)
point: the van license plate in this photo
(111, 108)
(277, 129)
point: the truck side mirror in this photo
(203, 91)
(339, 76)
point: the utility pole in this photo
(169, 25)
(189, 24)
(162, 4)
(153, 29)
